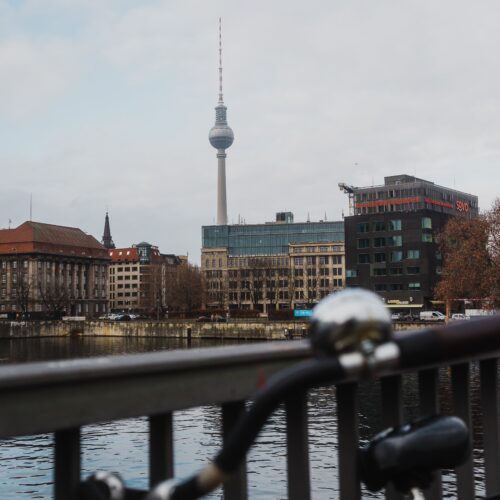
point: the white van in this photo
(432, 316)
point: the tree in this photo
(185, 288)
(55, 297)
(23, 296)
(470, 257)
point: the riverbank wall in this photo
(244, 330)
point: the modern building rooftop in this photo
(270, 238)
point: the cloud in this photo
(110, 104)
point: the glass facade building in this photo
(271, 238)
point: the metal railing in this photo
(62, 396)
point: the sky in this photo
(107, 104)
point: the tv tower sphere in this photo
(221, 135)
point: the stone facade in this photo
(52, 270)
(300, 278)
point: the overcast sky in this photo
(108, 103)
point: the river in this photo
(26, 463)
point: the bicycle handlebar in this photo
(456, 341)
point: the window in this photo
(323, 259)
(298, 261)
(414, 286)
(413, 254)
(396, 286)
(14, 265)
(351, 273)
(25, 264)
(362, 227)
(427, 238)
(395, 241)
(337, 259)
(394, 225)
(426, 223)
(413, 270)
(379, 271)
(379, 226)
(364, 258)
(379, 242)
(364, 243)
(311, 260)
(380, 287)
(380, 257)
(396, 256)
(394, 271)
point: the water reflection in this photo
(27, 463)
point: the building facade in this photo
(138, 279)
(52, 270)
(277, 265)
(391, 240)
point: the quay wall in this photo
(244, 330)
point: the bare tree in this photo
(23, 295)
(185, 289)
(55, 298)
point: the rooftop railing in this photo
(61, 397)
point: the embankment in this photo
(244, 330)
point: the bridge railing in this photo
(61, 397)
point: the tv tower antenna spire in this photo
(221, 99)
(221, 137)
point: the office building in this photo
(50, 270)
(276, 265)
(391, 237)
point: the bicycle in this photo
(351, 335)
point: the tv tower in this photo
(221, 137)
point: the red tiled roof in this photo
(123, 254)
(48, 238)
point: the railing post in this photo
(460, 382)
(235, 488)
(392, 414)
(161, 448)
(428, 386)
(67, 464)
(299, 487)
(348, 441)
(491, 441)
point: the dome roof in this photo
(221, 136)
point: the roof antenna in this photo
(308, 217)
(31, 207)
(10, 222)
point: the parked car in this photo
(432, 316)
(122, 317)
(458, 317)
(203, 319)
